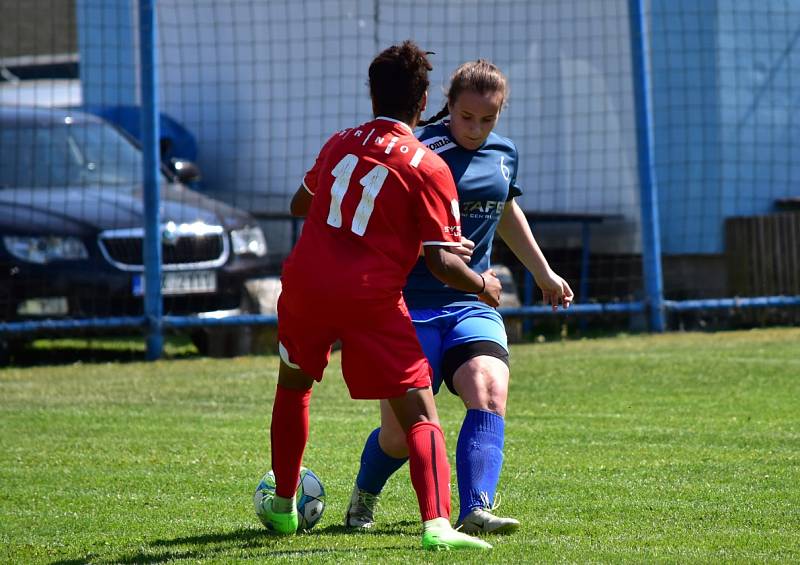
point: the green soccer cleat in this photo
(361, 510)
(438, 535)
(281, 523)
(481, 521)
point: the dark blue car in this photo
(71, 226)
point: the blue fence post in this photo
(651, 234)
(153, 308)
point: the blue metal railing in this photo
(153, 303)
(153, 322)
(651, 238)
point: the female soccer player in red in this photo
(463, 338)
(375, 195)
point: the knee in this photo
(482, 384)
(393, 443)
(496, 395)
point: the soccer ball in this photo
(309, 497)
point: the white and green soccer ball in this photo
(309, 497)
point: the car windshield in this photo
(67, 155)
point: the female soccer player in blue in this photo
(463, 338)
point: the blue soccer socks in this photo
(479, 458)
(376, 465)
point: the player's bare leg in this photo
(290, 414)
(430, 470)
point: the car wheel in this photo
(9, 349)
(260, 297)
(231, 341)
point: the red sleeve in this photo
(437, 209)
(310, 179)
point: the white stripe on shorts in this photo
(285, 356)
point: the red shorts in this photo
(381, 356)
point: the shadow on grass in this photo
(68, 351)
(90, 558)
(249, 534)
(216, 545)
(393, 529)
(244, 536)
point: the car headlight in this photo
(45, 249)
(249, 240)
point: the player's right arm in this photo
(452, 271)
(301, 202)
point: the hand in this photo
(555, 290)
(464, 250)
(491, 293)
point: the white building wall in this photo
(262, 84)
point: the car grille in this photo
(183, 247)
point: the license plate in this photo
(182, 282)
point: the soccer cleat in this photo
(282, 523)
(361, 510)
(481, 521)
(438, 535)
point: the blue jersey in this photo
(486, 179)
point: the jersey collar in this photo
(405, 125)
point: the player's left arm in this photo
(515, 231)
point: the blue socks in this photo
(376, 466)
(479, 457)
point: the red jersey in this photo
(378, 194)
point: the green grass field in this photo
(672, 448)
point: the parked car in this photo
(71, 227)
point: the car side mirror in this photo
(185, 171)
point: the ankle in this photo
(436, 524)
(282, 505)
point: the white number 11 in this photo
(372, 183)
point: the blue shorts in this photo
(440, 329)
